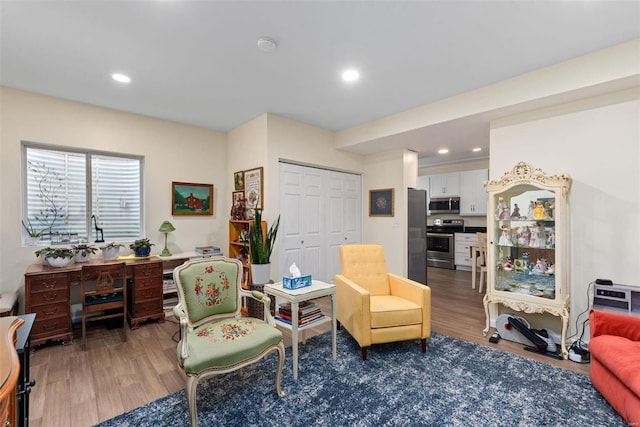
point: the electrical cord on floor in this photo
(175, 336)
(579, 315)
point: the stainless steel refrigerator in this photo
(417, 222)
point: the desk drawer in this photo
(147, 271)
(49, 282)
(147, 308)
(51, 327)
(48, 311)
(148, 282)
(49, 297)
(143, 294)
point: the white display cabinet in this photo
(528, 245)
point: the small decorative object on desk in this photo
(208, 250)
(296, 280)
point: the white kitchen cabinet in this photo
(463, 241)
(473, 195)
(444, 185)
(528, 245)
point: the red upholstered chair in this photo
(615, 361)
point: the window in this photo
(69, 194)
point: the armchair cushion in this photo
(243, 338)
(389, 311)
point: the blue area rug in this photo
(455, 383)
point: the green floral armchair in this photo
(215, 338)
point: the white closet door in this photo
(344, 220)
(320, 210)
(301, 195)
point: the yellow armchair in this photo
(376, 306)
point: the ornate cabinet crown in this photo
(528, 244)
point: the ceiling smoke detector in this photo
(266, 44)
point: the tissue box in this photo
(296, 282)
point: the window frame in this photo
(88, 154)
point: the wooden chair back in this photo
(104, 294)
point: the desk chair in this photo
(104, 295)
(482, 259)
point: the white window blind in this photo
(61, 185)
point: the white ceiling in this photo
(197, 62)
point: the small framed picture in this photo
(381, 202)
(191, 199)
(237, 196)
(253, 188)
(238, 179)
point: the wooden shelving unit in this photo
(239, 245)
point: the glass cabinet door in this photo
(524, 241)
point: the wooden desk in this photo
(48, 295)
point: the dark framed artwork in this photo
(381, 202)
(237, 196)
(191, 199)
(253, 188)
(238, 179)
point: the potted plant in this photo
(83, 252)
(59, 257)
(111, 250)
(34, 235)
(141, 247)
(42, 254)
(261, 247)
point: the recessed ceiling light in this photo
(350, 75)
(475, 150)
(443, 151)
(120, 78)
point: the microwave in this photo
(443, 205)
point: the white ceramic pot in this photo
(80, 258)
(59, 262)
(110, 254)
(260, 273)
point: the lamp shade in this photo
(166, 227)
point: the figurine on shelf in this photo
(505, 239)
(550, 206)
(502, 210)
(516, 212)
(526, 236)
(551, 239)
(538, 211)
(532, 206)
(534, 241)
(540, 267)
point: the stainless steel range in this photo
(440, 242)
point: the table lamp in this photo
(166, 228)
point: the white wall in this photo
(596, 142)
(387, 170)
(172, 152)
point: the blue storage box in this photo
(296, 282)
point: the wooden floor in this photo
(81, 388)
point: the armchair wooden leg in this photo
(424, 345)
(364, 352)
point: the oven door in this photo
(440, 250)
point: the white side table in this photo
(295, 297)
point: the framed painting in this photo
(191, 199)
(238, 179)
(253, 188)
(381, 202)
(237, 197)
